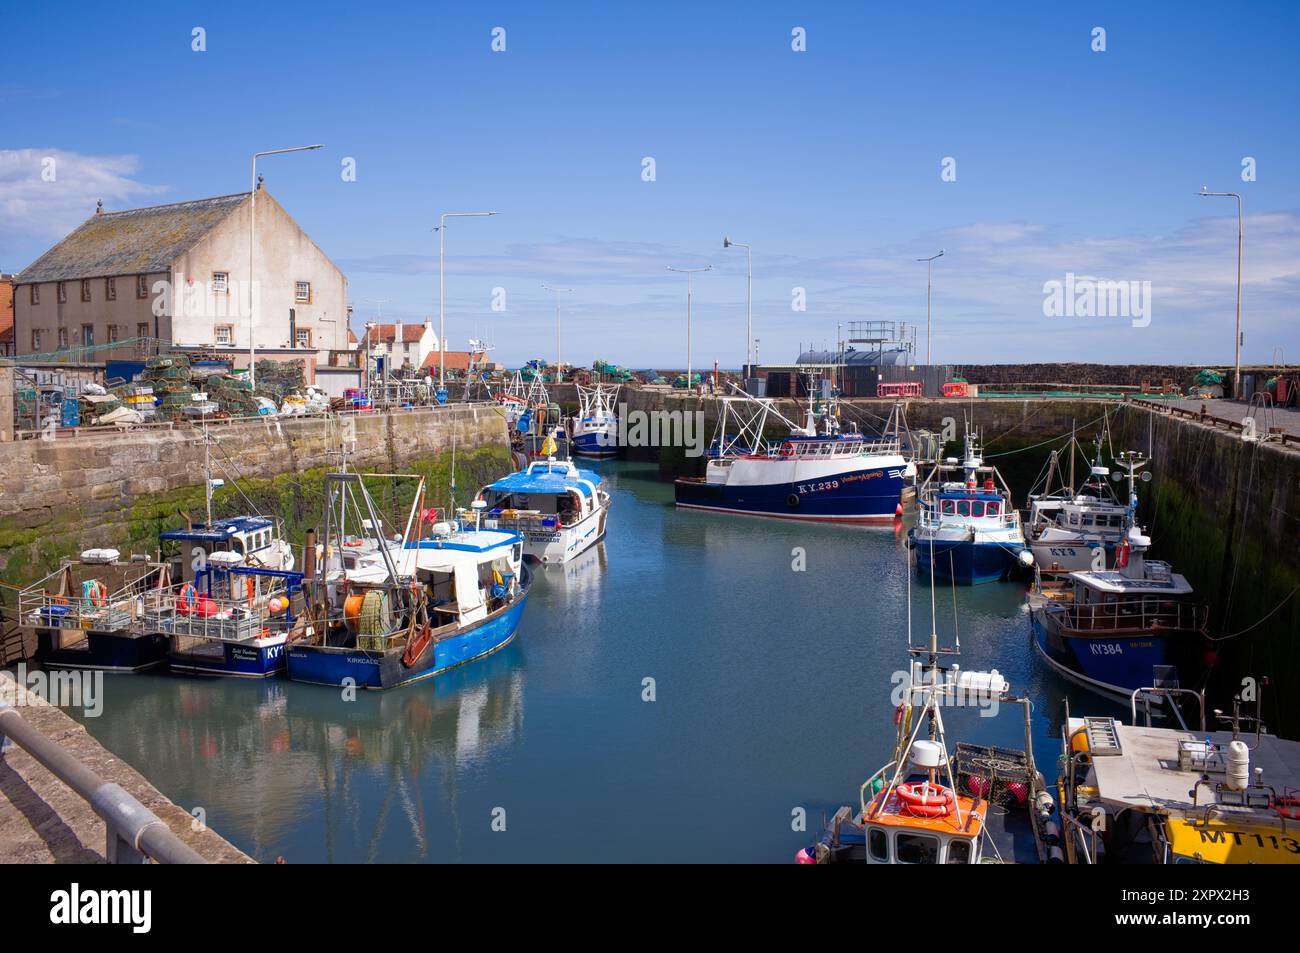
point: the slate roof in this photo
(137, 241)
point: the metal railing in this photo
(135, 834)
(1137, 615)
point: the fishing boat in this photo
(594, 432)
(967, 530)
(1071, 529)
(1140, 794)
(980, 804)
(557, 508)
(381, 615)
(86, 614)
(819, 472)
(1110, 629)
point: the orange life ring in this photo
(354, 542)
(926, 799)
(188, 596)
(787, 450)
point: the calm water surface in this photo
(772, 692)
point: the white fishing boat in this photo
(558, 509)
(1070, 529)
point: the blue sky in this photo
(828, 161)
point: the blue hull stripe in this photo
(592, 444)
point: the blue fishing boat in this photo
(1114, 630)
(819, 473)
(594, 432)
(967, 530)
(389, 612)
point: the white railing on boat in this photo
(176, 611)
(932, 519)
(1130, 615)
(830, 447)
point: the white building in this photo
(404, 345)
(177, 277)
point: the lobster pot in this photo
(999, 775)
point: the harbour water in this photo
(771, 692)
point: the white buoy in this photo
(927, 754)
(1238, 771)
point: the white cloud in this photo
(45, 193)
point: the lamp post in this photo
(928, 265)
(1236, 361)
(442, 301)
(252, 244)
(688, 272)
(749, 297)
(559, 374)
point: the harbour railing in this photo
(95, 610)
(135, 834)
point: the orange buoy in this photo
(352, 609)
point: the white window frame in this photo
(229, 331)
(302, 292)
(221, 282)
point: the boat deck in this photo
(1146, 774)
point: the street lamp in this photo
(749, 297)
(928, 265)
(559, 376)
(688, 272)
(442, 300)
(1236, 363)
(252, 243)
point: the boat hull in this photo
(1113, 664)
(967, 562)
(119, 651)
(1059, 558)
(260, 658)
(599, 442)
(321, 665)
(858, 496)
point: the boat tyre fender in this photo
(792, 501)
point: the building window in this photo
(225, 334)
(63, 292)
(85, 289)
(142, 286)
(302, 337)
(87, 335)
(142, 329)
(112, 333)
(110, 289)
(36, 294)
(63, 339)
(36, 340)
(302, 291)
(221, 282)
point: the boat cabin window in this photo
(1074, 519)
(237, 545)
(878, 845)
(949, 507)
(963, 507)
(977, 508)
(993, 508)
(958, 852)
(517, 553)
(917, 849)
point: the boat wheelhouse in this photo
(594, 431)
(87, 613)
(558, 509)
(817, 473)
(440, 600)
(1110, 629)
(967, 530)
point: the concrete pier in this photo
(42, 821)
